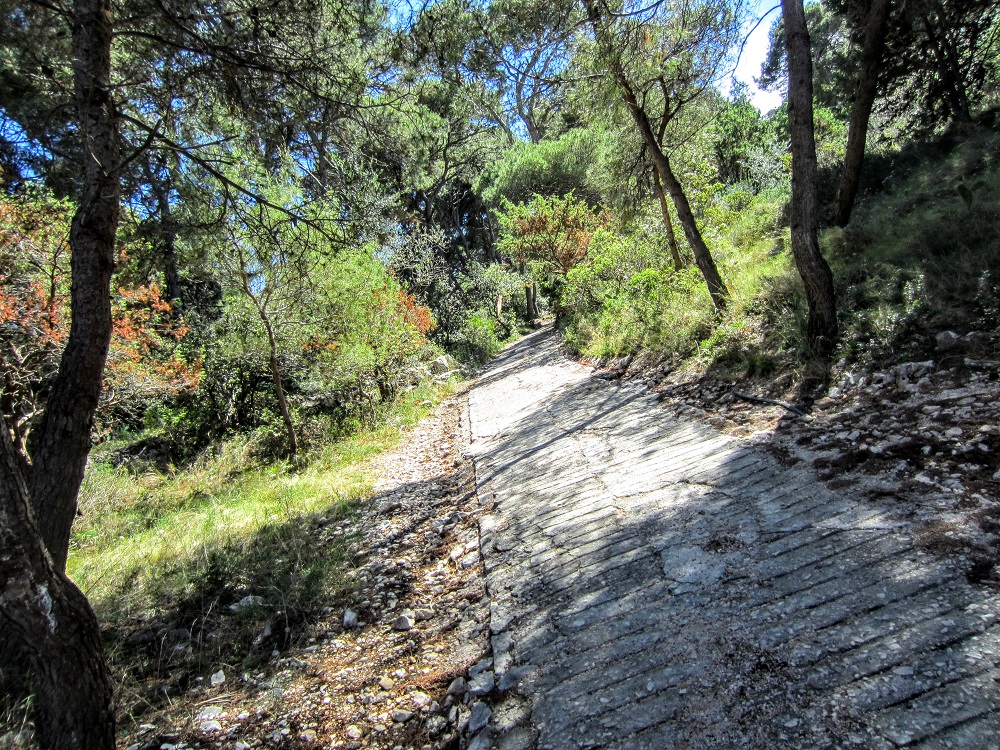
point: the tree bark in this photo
(45, 619)
(52, 625)
(61, 443)
(531, 301)
(286, 415)
(668, 225)
(168, 237)
(813, 268)
(702, 255)
(872, 50)
(948, 70)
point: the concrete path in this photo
(655, 584)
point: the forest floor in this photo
(380, 671)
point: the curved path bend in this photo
(655, 584)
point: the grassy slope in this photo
(163, 556)
(920, 256)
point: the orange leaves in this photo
(144, 360)
(554, 231)
(415, 315)
(35, 313)
(144, 357)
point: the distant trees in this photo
(918, 65)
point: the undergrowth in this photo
(919, 257)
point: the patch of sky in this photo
(757, 42)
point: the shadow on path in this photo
(655, 584)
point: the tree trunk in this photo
(702, 255)
(872, 51)
(531, 301)
(286, 415)
(948, 70)
(45, 618)
(170, 273)
(668, 225)
(168, 236)
(61, 443)
(52, 625)
(813, 268)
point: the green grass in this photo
(157, 552)
(922, 256)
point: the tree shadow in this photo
(255, 604)
(661, 585)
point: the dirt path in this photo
(656, 584)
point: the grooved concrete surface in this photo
(657, 585)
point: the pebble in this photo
(480, 666)
(354, 732)
(458, 687)
(209, 712)
(217, 679)
(350, 619)
(482, 684)
(405, 621)
(246, 603)
(210, 726)
(436, 725)
(481, 741)
(400, 715)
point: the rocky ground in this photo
(401, 666)
(925, 434)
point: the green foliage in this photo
(626, 295)
(739, 131)
(551, 168)
(553, 234)
(921, 258)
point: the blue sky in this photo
(753, 55)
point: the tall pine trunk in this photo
(872, 51)
(60, 445)
(702, 255)
(45, 617)
(813, 268)
(51, 626)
